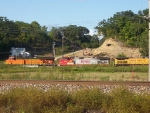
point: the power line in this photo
(81, 22)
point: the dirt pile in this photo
(112, 48)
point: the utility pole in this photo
(16, 53)
(62, 44)
(148, 19)
(53, 46)
(149, 42)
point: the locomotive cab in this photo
(64, 61)
(121, 61)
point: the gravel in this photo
(71, 88)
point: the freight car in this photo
(47, 61)
(131, 61)
(65, 61)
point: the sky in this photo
(60, 13)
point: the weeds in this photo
(33, 100)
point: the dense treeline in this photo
(128, 27)
(125, 26)
(21, 34)
(73, 38)
(33, 36)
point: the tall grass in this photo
(33, 100)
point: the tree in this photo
(127, 27)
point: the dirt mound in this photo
(112, 48)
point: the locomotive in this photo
(67, 61)
(19, 56)
(131, 61)
(43, 61)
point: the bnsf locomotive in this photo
(19, 56)
(46, 61)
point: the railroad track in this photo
(131, 83)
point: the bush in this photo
(33, 100)
(125, 101)
(90, 99)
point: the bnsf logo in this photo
(85, 61)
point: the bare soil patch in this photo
(110, 48)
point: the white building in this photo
(19, 52)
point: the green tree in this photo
(127, 27)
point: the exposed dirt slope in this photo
(111, 48)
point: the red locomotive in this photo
(64, 61)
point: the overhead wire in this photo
(81, 23)
(87, 22)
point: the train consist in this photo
(20, 57)
(69, 61)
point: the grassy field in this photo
(94, 72)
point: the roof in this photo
(15, 51)
(18, 49)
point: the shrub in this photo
(90, 99)
(125, 101)
(55, 100)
